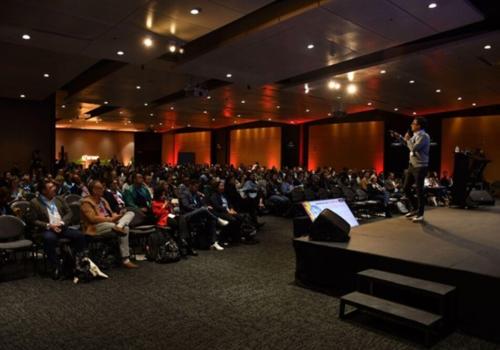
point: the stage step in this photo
(407, 315)
(438, 289)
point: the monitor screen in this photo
(337, 205)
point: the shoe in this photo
(410, 214)
(222, 222)
(419, 218)
(119, 230)
(216, 246)
(129, 265)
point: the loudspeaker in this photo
(330, 227)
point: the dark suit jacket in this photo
(39, 216)
(190, 201)
(113, 203)
(217, 204)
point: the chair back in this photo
(75, 210)
(72, 198)
(139, 218)
(11, 228)
(22, 206)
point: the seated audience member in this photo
(252, 199)
(114, 197)
(377, 192)
(79, 187)
(165, 218)
(137, 195)
(280, 203)
(98, 219)
(436, 193)
(148, 183)
(193, 208)
(365, 181)
(446, 180)
(4, 201)
(391, 185)
(51, 216)
(223, 209)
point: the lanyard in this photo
(51, 206)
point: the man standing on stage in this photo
(419, 145)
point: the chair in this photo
(12, 237)
(138, 231)
(72, 198)
(75, 217)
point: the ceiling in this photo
(263, 44)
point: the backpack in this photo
(162, 249)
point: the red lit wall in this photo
(472, 133)
(196, 142)
(262, 145)
(357, 145)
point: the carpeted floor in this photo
(241, 298)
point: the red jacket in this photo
(160, 211)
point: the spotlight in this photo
(369, 103)
(145, 103)
(63, 106)
(396, 109)
(459, 98)
(148, 42)
(474, 104)
(243, 101)
(181, 50)
(352, 89)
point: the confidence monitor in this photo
(332, 220)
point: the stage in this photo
(453, 246)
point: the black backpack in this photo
(162, 249)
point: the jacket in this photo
(39, 215)
(90, 215)
(217, 203)
(419, 145)
(137, 197)
(190, 201)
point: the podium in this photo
(467, 172)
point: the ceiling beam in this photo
(210, 84)
(100, 111)
(271, 14)
(392, 53)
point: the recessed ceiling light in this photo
(138, 87)
(269, 119)
(120, 53)
(106, 102)
(172, 47)
(239, 115)
(352, 89)
(396, 109)
(414, 113)
(209, 97)
(213, 119)
(145, 103)
(432, 5)
(412, 81)
(438, 90)
(243, 101)
(148, 42)
(329, 114)
(189, 125)
(383, 71)
(308, 110)
(195, 11)
(369, 103)
(63, 106)
(487, 47)
(26, 37)
(459, 98)
(151, 114)
(172, 108)
(278, 107)
(474, 104)
(229, 75)
(22, 95)
(181, 50)
(205, 112)
(310, 46)
(46, 75)
(350, 76)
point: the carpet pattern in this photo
(241, 298)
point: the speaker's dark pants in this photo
(50, 240)
(416, 175)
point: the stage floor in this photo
(466, 240)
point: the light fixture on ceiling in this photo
(22, 96)
(121, 112)
(369, 103)
(414, 113)
(396, 109)
(229, 75)
(269, 119)
(209, 97)
(181, 50)
(278, 107)
(412, 81)
(189, 125)
(46, 75)
(71, 120)
(172, 47)
(148, 42)
(234, 122)
(172, 108)
(138, 87)
(329, 114)
(120, 53)
(474, 104)
(243, 101)
(239, 115)
(350, 76)
(352, 89)
(63, 106)
(332, 84)
(306, 88)
(195, 11)
(438, 91)
(106, 102)
(160, 123)
(432, 5)
(205, 112)
(487, 47)
(383, 71)
(151, 114)
(310, 46)
(213, 119)
(26, 37)
(459, 98)
(145, 103)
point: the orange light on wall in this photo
(353, 145)
(196, 142)
(168, 148)
(262, 145)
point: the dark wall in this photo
(26, 126)
(220, 146)
(290, 145)
(147, 149)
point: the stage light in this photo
(352, 89)
(151, 114)
(213, 119)
(332, 84)
(269, 119)
(306, 88)
(195, 11)
(308, 110)
(414, 113)
(209, 97)
(205, 112)
(148, 42)
(278, 107)
(396, 109)
(181, 50)
(243, 101)
(26, 37)
(145, 103)
(63, 106)
(172, 108)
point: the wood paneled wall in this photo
(471, 133)
(262, 145)
(197, 142)
(358, 145)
